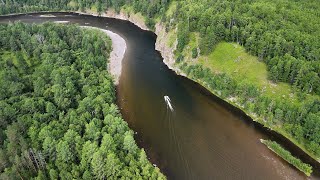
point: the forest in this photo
(283, 34)
(58, 117)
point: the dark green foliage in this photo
(179, 58)
(58, 119)
(183, 37)
(194, 53)
(150, 23)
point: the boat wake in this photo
(176, 139)
(168, 101)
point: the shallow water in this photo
(203, 137)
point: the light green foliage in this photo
(286, 155)
(129, 143)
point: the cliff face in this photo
(161, 44)
(134, 18)
(165, 50)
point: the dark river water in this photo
(203, 137)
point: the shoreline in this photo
(114, 15)
(160, 45)
(168, 59)
(287, 156)
(119, 47)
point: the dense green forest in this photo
(283, 34)
(58, 119)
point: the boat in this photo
(168, 101)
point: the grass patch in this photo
(127, 9)
(172, 36)
(130, 11)
(94, 8)
(231, 58)
(286, 155)
(73, 4)
(171, 9)
(137, 17)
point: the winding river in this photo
(203, 137)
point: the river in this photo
(203, 137)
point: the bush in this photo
(179, 58)
(194, 53)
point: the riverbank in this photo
(161, 45)
(286, 155)
(135, 19)
(169, 59)
(163, 38)
(116, 56)
(166, 47)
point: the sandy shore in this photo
(119, 47)
(48, 16)
(61, 22)
(160, 45)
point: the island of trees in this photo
(58, 117)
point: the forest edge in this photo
(168, 56)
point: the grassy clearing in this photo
(231, 58)
(286, 155)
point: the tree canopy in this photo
(58, 118)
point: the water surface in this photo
(203, 138)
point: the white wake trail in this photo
(168, 101)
